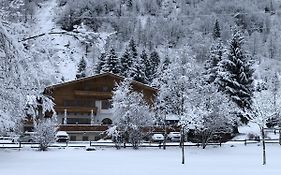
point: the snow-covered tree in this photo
(215, 113)
(17, 79)
(138, 69)
(276, 101)
(116, 136)
(126, 63)
(236, 72)
(44, 132)
(216, 30)
(212, 64)
(263, 109)
(41, 109)
(112, 63)
(131, 113)
(81, 71)
(152, 66)
(99, 63)
(128, 58)
(175, 87)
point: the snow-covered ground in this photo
(223, 160)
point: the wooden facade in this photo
(83, 105)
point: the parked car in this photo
(174, 136)
(7, 140)
(62, 136)
(157, 138)
(26, 137)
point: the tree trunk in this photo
(263, 147)
(165, 137)
(279, 134)
(182, 146)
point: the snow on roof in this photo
(97, 76)
(250, 128)
(172, 117)
(61, 133)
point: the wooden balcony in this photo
(93, 94)
(83, 127)
(75, 109)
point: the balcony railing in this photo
(75, 109)
(83, 127)
(93, 93)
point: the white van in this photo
(62, 136)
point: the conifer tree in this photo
(128, 58)
(81, 69)
(133, 49)
(112, 63)
(100, 63)
(216, 53)
(152, 66)
(236, 72)
(126, 63)
(138, 69)
(216, 30)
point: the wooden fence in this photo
(110, 144)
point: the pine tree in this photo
(152, 66)
(215, 56)
(126, 63)
(81, 69)
(216, 31)
(159, 80)
(128, 58)
(100, 63)
(236, 72)
(138, 69)
(133, 49)
(112, 63)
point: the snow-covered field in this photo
(238, 159)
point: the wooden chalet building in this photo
(83, 105)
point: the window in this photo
(80, 102)
(73, 138)
(78, 121)
(106, 104)
(85, 138)
(106, 121)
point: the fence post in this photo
(90, 142)
(245, 143)
(19, 144)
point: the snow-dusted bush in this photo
(116, 136)
(44, 132)
(44, 125)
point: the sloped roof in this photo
(99, 76)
